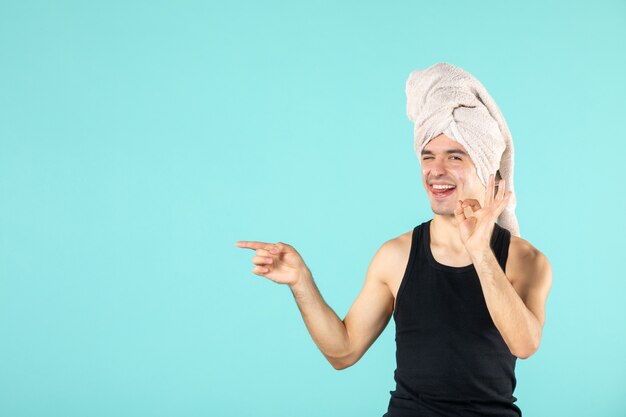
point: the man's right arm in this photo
(343, 343)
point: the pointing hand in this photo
(278, 262)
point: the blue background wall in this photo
(140, 140)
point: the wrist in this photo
(479, 253)
(304, 280)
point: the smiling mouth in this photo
(440, 191)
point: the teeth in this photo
(442, 187)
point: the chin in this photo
(442, 211)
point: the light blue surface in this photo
(140, 140)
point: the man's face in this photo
(449, 175)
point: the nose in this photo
(437, 168)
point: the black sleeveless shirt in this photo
(451, 360)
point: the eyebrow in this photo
(449, 152)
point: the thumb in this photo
(279, 247)
(459, 213)
(467, 226)
(472, 221)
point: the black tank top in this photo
(451, 360)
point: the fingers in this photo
(459, 213)
(251, 244)
(491, 187)
(262, 260)
(492, 196)
(263, 264)
(502, 198)
(260, 270)
(266, 254)
(501, 188)
(262, 248)
(469, 207)
(471, 202)
(503, 202)
(278, 247)
(274, 248)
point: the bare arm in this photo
(342, 342)
(516, 303)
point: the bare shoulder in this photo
(527, 265)
(391, 260)
(395, 249)
(530, 274)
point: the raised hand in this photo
(278, 262)
(476, 223)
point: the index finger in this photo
(472, 202)
(252, 244)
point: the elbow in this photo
(523, 354)
(340, 366)
(529, 345)
(341, 359)
(527, 351)
(340, 363)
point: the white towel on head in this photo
(446, 99)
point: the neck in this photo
(445, 232)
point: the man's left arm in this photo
(516, 301)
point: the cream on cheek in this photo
(460, 181)
(473, 188)
(425, 178)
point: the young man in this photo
(467, 294)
